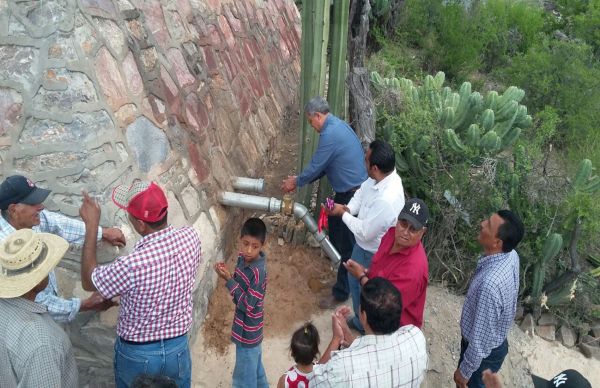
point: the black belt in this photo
(147, 342)
(352, 190)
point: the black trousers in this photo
(343, 240)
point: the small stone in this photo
(519, 313)
(546, 332)
(280, 241)
(591, 341)
(527, 324)
(567, 336)
(589, 351)
(547, 319)
(595, 329)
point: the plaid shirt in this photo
(73, 230)
(155, 283)
(489, 309)
(247, 288)
(397, 360)
(34, 350)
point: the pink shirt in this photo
(155, 283)
(408, 270)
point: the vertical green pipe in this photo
(336, 90)
(315, 36)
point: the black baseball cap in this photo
(416, 212)
(18, 189)
(569, 378)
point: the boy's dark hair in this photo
(382, 303)
(511, 231)
(158, 224)
(305, 344)
(254, 227)
(382, 156)
(147, 381)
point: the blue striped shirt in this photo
(489, 309)
(339, 156)
(73, 230)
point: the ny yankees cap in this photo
(569, 378)
(416, 212)
(18, 189)
(143, 200)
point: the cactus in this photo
(583, 173)
(560, 296)
(552, 246)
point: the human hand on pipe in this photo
(289, 184)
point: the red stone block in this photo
(179, 66)
(226, 31)
(248, 54)
(235, 23)
(196, 115)
(285, 51)
(215, 5)
(230, 69)
(155, 21)
(132, 75)
(292, 12)
(239, 91)
(264, 76)
(171, 92)
(210, 60)
(109, 78)
(257, 89)
(198, 162)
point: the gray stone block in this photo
(547, 332)
(566, 336)
(547, 319)
(149, 144)
(527, 324)
(589, 351)
(589, 340)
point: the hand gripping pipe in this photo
(274, 205)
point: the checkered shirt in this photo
(489, 309)
(155, 283)
(73, 230)
(397, 360)
(34, 350)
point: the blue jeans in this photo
(493, 361)
(363, 258)
(170, 357)
(249, 371)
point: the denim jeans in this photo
(249, 371)
(493, 361)
(170, 357)
(343, 240)
(363, 258)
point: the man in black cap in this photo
(21, 206)
(401, 259)
(569, 378)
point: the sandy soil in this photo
(297, 280)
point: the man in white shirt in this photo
(388, 356)
(372, 211)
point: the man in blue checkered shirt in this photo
(21, 207)
(491, 301)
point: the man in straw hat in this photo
(21, 206)
(154, 281)
(34, 350)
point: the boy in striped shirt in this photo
(247, 287)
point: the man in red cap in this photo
(154, 281)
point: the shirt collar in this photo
(382, 184)
(153, 236)
(5, 226)
(27, 305)
(486, 261)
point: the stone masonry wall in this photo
(94, 93)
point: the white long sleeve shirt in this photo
(374, 208)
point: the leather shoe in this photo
(329, 302)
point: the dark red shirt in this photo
(408, 271)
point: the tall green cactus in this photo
(584, 181)
(552, 246)
(469, 123)
(315, 37)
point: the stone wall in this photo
(188, 93)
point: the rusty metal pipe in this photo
(274, 205)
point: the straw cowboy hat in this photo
(26, 258)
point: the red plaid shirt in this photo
(155, 283)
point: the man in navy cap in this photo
(21, 206)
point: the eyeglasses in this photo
(404, 224)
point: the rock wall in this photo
(188, 93)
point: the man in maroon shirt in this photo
(401, 259)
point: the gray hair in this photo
(316, 105)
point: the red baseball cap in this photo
(143, 200)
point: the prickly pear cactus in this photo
(469, 123)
